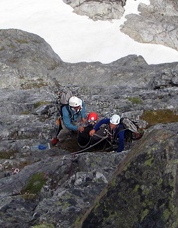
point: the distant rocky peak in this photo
(98, 9)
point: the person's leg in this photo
(64, 134)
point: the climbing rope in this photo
(87, 148)
(88, 143)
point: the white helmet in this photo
(75, 101)
(115, 119)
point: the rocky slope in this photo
(53, 188)
(143, 190)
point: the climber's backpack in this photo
(64, 101)
(132, 127)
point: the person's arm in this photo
(67, 120)
(103, 121)
(97, 126)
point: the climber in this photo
(74, 114)
(73, 117)
(83, 137)
(113, 128)
(92, 118)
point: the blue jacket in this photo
(119, 130)
(71, 117)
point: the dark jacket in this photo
(118, 133)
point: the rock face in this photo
(144, 187)
(156, 22)
(24, 58)
(98, 10)
(54, 188)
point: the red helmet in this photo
(92, 116)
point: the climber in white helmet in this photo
(113, 127)
(74, 114)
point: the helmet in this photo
(92, 116)
(75, 101)
(115, 119)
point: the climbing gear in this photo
(63, 100)
(80, 151)
(75, 101)
(92, 117)
(60, 101)
(65, 96)
(128, 124)
(86, 145)
(115, 119)
(136, 132)
(86, 141)
(83, 138)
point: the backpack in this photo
(128, 124)
(132, 127)
(64, 101)
(65, 97)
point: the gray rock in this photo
(142, 187)
(98, 10)
(53, 187)
(25, 60)
(156, 24)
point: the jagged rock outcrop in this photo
(143, 191)
(156, 23)
(53, 188)
(25, 59)
(98, 10)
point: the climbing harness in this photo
(108, 134)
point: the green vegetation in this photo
(38, 104)
(25, 113)
(22, 41)
(153, 117)
(135, 100)
(7, 154)
(30, 84)
(45, 225)
(34, 185)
